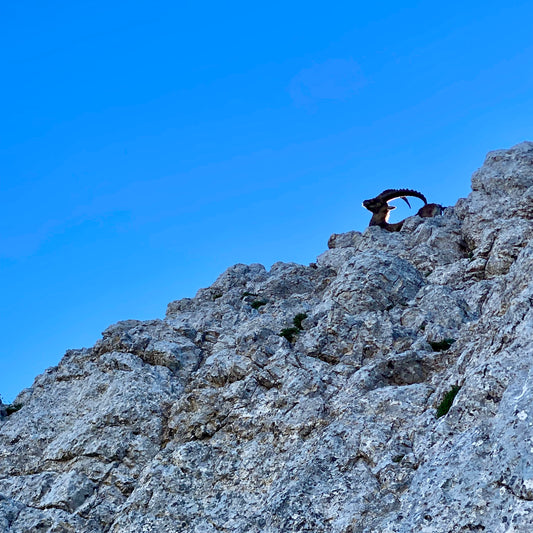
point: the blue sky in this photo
(147, 146)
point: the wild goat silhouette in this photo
(380, 208)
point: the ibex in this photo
(380, 208)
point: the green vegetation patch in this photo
(258, 303)
(246, 293)
(441, 346)
(447, 401)
(289, 333)
(13, 408)
(298, 319)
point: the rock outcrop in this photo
(304, 398)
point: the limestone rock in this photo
(304, 398)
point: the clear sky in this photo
(147, 146)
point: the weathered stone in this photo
(305, 398)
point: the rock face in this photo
(305, 398)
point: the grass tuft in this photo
(298, 319)
(258, 303)
(289, 333)
(447, 401)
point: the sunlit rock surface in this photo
(210, 420)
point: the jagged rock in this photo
(304, 398)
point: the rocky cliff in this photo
(387, 387)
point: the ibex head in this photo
(380, 208)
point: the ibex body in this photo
(430, 210)
(380, 208)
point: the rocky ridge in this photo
(304, 398)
